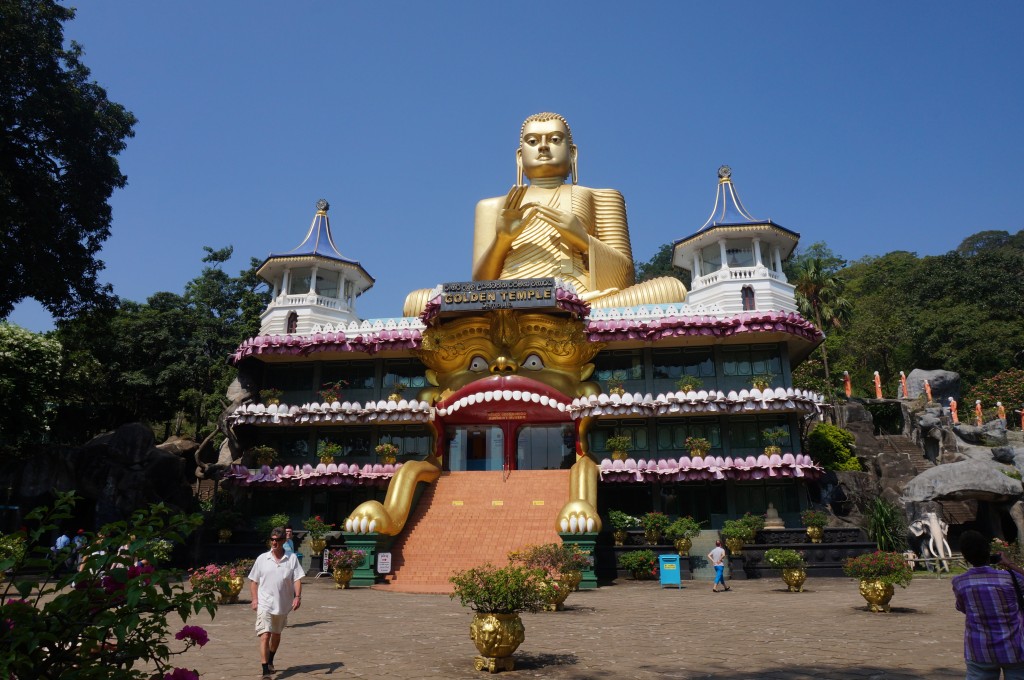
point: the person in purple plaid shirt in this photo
(993, 631)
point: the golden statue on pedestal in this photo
(552, 229)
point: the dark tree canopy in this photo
(59, 138)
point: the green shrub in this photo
(621, 521)
(507, 590)
(784, 558)
(266, 524)
(887, 525)
(888, 567)
(683, 527)
(641, 563)
(735, 528)
(655, 521)
(832, 448)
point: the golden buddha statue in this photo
(552, 229)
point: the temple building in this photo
(510, 410)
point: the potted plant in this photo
(736, 532)
(497, 596)
(619, 445)
(264, 454)
(762, 381)
(12, 549)
(615, 386)
(387, 451)
(792, 564)
(225, 522)
(815, 521)
(878, 573)
(698, 446)
(326, 450)
(621, 523)
(774, 436)
(342, 563)
(396, 391)
(682, 531)
(271, 395)
(231, 578)
(642, 564)
(563, 566)
(689, 383)
(316, 529)
(654, 524)
(267, 524)
(331, 392)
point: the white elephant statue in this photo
(934, 547)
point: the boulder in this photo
(962, 481)
(944, 384)
(1007, 454)
(993, 433)
(969, 433)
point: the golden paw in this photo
(367, 518)
(578, 517)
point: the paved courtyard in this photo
(630, 630)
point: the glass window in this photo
(545, 447)
(294, 380)
(356, 442)
(475, 447)
(412, 442)
(405, 372)
(711, 259)
(636, 430)
(672, 434)
(298, 282)
(359, 376)
(626, 366)
(327, 283)
(740, 252)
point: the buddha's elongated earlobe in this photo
(574, 155)
(519, 167)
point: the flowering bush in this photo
(697, 446)
(814, 518)
(386, 449)
(688, 383)
(1006, 386)
(622, 521)
(238, 568)
(641, 563)
(345, 559)
(683, 527)
(205, 579)
(615, 386)
(783, 558)
(113, 622)
(12, 550)
(888, 567)
(326, 450)
(556, 559)
(316, 528)
(271, 395)
(762, 381)
(619, 442)
(331, 392)
(505, 590)
(655, 521)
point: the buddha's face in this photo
(545, 149)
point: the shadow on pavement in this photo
(300, 671)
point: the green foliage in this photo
(29, 382)
(784, 558)
(619, 442)
(654, 521)
(888, 567)
(689, 383)
(643, 564)
(774, 435)
(734, 528)
(315, 527)
(60, 139)
(814, 518)
(343, 558)
(832, 447)
(505, 590)
(556, 559)
(1012, 473)
(115, 620)
(661, 265)
(887, 525)
(266, 524)
(683, 527)
(621, 521)
(12, 550)
(1006, 386)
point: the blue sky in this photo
(871, 126)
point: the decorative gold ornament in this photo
(223, 535)
(683, 546)
(794, 578)
(877, 593)
(735, 545)
(558, 591)
(652, 536)
(816, 534)
(228, 589)
(389, 518)
(620, 536)
(318, 545)
(573, 579)
(773, 450)
(496, 636)
(341, 577)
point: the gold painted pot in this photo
(794, 578)
(683, 546)
(224, 535)
(394, 396)
(229, 588)
(341, 578)
(389, 460)
(620, 536)
(318, 545)
(815, 534)
(573, 579)
(557, 590)
(496, 636)
(652, 536)
(877, 593)
(773, 450)
(619, 455)
(735, 545)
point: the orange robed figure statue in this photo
(952, 411)
(928, 390)
(846, 384)
(903, 385)
(1001, 412)
(977, 412)
(878, 386)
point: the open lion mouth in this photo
(498, 392)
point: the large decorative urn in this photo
(620, 536)
(652, 536)
(496, 636)
(816, 534)
(794, 578)
(683, 546)
(735, 545)
(877, 593)
(342, 577)
(229, 588)
(318, 545)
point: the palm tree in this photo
(819, 296)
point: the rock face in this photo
(992, 433)
(944, 384)
(961, 481)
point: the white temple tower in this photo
(313, 284)
(735, 260)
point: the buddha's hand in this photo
(567, 224)
(512, 214)
(578, 517)
(369, 517)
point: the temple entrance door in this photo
(476, 447)
(510, 446)
(544, 447)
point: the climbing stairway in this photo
(702, 545)
(901, 444)
(466, 519)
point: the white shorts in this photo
(270, 623)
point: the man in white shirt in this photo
(276, 590)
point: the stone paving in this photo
(629, 630)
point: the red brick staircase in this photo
(466, 519)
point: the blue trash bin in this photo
(670, 572)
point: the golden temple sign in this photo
(476, 296)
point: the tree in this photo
(59, 138)
(661, 265)
(819, 295)
(29, 382)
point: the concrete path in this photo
(629, 630)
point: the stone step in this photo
(702, 545)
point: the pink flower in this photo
(194, 635)
(181, 674)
